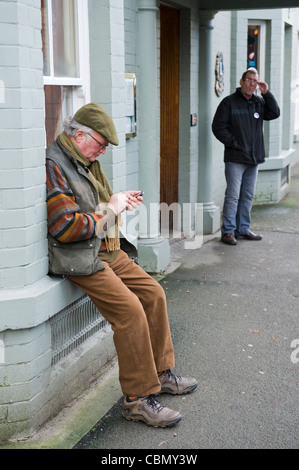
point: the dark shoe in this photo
(150, 411)
(229, 239)
(176, 385)
(250, 236)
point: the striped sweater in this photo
(65, 221)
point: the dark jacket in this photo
(238, 124)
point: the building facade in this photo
(160, 69)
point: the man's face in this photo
(92, 145)
(249, 84)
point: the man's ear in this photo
(80, 136)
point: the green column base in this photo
(153, 254)
(211, 218)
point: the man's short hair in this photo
(250, 70)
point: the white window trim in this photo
(261, 66)
(81, 93)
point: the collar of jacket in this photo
(253, 98)
(70, 156)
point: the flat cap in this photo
(94, 116)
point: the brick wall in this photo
(22, 155)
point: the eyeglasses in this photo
(102, 146)
(251, 80)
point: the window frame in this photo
(262, 46)
(81, 84)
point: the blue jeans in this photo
(241, 181)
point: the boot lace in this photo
(154, 403)
(176, 378)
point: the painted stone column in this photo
(154, 252)
(211, 213)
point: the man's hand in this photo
(263, 86)
(128, 200)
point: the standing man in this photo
(238, 124)
(86, 246)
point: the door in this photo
(169, 106)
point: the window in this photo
(66, 60)
(256, 46)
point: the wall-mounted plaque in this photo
(219, 72)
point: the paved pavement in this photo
(234, 315)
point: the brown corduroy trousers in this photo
(135, 305)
